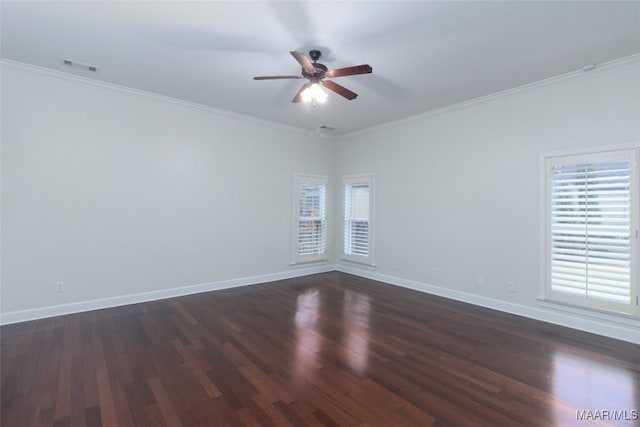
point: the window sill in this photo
(357, 263)
(306, 263)
(610, 316)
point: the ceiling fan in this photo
(317, 74)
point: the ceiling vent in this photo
(80, 65)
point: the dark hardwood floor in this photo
(324, 350)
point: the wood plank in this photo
(164, 404)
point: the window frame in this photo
(347, 180)
(548, 161)
(298, 179)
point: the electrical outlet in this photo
(394, 265)
(511, 286)
(479, 280)
(59, 286)
(434, 273)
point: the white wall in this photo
(459, 190)
(117, 193)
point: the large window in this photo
(358, 219)
(310, 241)
(592, 203)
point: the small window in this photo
(311, 220)
(592, 230)
(358, 219)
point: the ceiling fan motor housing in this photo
(320, 70)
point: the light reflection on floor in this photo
(356, 316)
(587, 385)
(356, 313)
(307, 334)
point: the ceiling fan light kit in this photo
(314, 94)
(317, 73)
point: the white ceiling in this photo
(425, 54)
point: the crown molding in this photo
(145, 94)
(599, 68)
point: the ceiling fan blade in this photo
(340, 90)
(276, 77)
(350, 71)
(298, 97)
(304, 61)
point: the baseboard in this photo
(625, 329)
(78, 307)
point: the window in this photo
(311, 220)
(592, 202)
(358, 219)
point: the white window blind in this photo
(357, 218)
(592, 230)
(311, 224)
